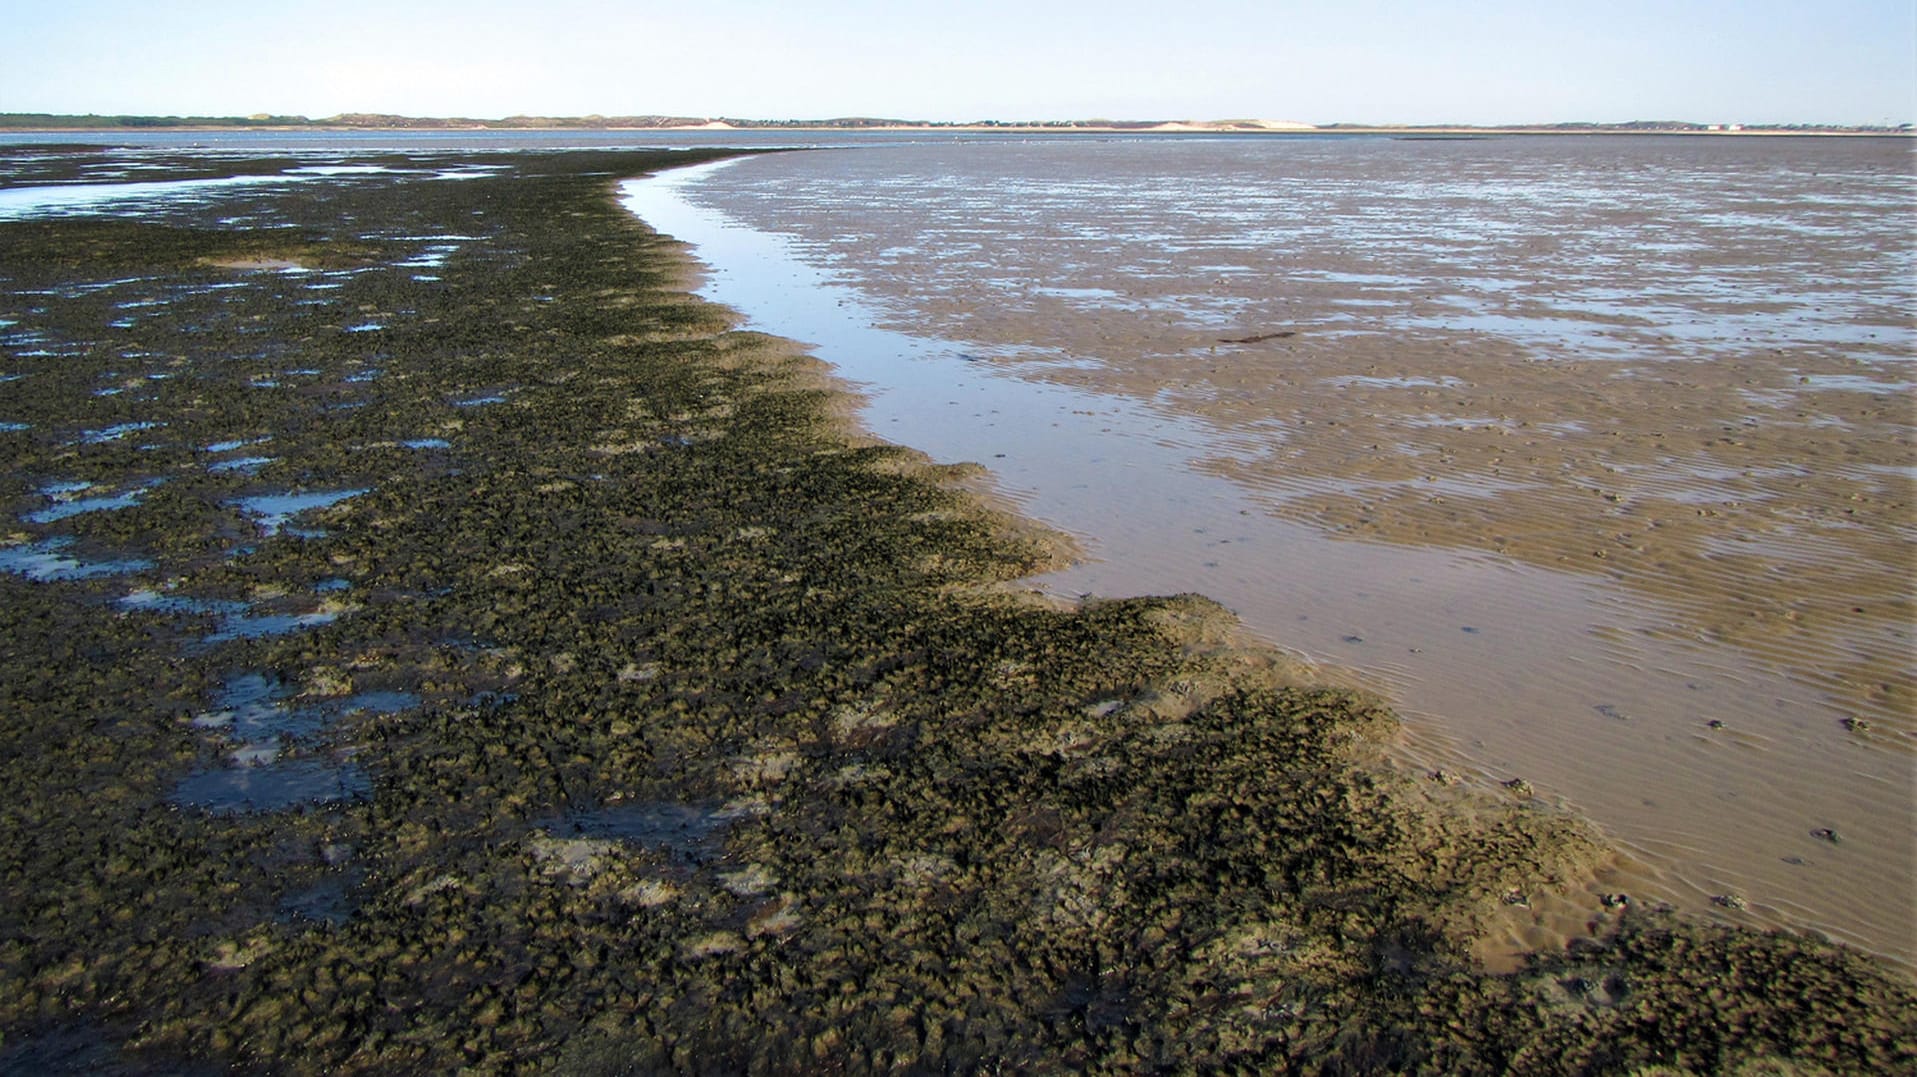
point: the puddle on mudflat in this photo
(272, 512)
(433, 257)
(245, 465)
(1854, 383)
(238, 443)
(480, 401)
(275, 786)
(147, 600)
(1395, 383)
(427, 443)
(329, 902)
(263, 625)
(690, 831)
(114, 433)
(250, 707)
(236, 619)
(244, 700)
(469, 172)
(44, 562)
(82, 198)
(339, 170)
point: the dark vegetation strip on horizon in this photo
(31, 121)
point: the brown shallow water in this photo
(1593, 454)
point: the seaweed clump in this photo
(706, 736)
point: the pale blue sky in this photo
(1380, 61)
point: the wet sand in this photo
(1601, 469)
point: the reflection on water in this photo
(251, 709)
(73, 198)
(65, 503)
(272, 512)
(1588, 451)
(47, 561)
(275, 786)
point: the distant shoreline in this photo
(1425, 133)
(55, 123)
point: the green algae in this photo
(732, 750)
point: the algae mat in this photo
(430, 638)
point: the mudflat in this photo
(1593, 454)
(432, 638)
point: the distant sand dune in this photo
(1234, 125)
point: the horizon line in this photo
(659, 121)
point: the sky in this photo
(1349, 61)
